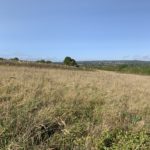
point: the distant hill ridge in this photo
(113, 62)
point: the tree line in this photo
(67, 61)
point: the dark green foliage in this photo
(70, 62)
(40, 61)
(1, 59)
(15, 59)
(37, 64)
(45, 131)
(44, 61)
(123, 68)
(48, 62)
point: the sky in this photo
(82, 29)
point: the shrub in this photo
(15, 59)
(44, 61)
(1, 59)
(48, 62)
(40, 61)
(70, 62)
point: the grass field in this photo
(45, 109)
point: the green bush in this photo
(1, 59)
(70, 62)
(15, 59)
(44, 61)
(48, 62)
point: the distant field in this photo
(59, 109)
(131, 67)
(134, 67)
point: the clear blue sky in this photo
(82, 29)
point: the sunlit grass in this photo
(67, 109)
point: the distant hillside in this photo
(123, 66)
(114, 62)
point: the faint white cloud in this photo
(145, 57)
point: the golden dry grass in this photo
(101, 101)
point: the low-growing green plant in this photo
(119, 139)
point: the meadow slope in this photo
(45, 109)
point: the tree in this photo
(48, 62)
(70, 62)
(1, 59)
(40, 61)
(15, 59)
(44, 61)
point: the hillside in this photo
(122, 66)
(115, 62)
(43, 108)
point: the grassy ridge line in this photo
(141, 69)
(44, 65)
(35, 64)
(137, 69)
